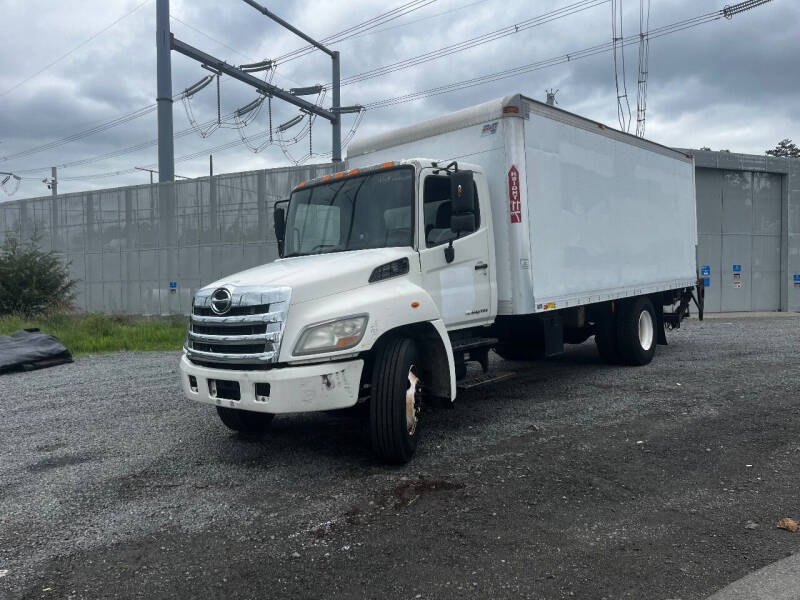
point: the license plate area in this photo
(224, 389)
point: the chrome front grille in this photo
(249, 332)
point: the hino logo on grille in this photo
(221, 301)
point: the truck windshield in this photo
(374, 210)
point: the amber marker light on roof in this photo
(326, 178)
(339, 175)
(352, 171)
(301, 184)
(415, 304)
(386, 165)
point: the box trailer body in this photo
(597, 214)
(511, 226)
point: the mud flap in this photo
(553, 327)
(661, 333)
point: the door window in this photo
(437, 210)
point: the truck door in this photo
(462, 288)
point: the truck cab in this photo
(379, 267)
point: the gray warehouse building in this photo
(134, 254)
(748, 225)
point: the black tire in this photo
(605, 338)
(636, 331)
(393, 439)
(245, 421)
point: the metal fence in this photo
(146, 249)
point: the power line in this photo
(74, 49)
(213, 39)
(145, 110)
(359, 28)
(669, 29)
(618, 52)
(206, 128)
(412, 22)
(644, 54)
(474, 42)
(556, 60)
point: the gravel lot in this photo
(572, 479)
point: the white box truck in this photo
(511, 226)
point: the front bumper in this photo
(306, 388)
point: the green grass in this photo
(97, 333)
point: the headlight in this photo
(333, 335)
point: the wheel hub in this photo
(645, 330)
(412, 401)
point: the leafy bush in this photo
(33, 281)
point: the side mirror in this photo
(462, 198)
(280, 224)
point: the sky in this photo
(73, 65)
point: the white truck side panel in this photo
(607, 218)
(604, 215)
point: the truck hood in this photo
(319, 275)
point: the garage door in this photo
(739, 239)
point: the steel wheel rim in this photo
(645, 330)
(412, 401)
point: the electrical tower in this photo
(166, 43)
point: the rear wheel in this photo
(395, 401)
(245, 421)
(636, 331)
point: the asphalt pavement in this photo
(572, 479)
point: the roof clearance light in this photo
(386, 165)
(326, 178)
(338, 175)
(301, 184)
(352, 171)
(511, 109)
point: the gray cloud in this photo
(732, 84)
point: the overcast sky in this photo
(731, 84)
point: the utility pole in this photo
(337, 124)
(54, 182)
(210, 166)
(166, 150)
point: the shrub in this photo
(33, 281)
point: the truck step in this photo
(484, 379)
(471, 343)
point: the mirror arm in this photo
(449, 251)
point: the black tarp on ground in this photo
(31, 349)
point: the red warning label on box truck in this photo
(514, 195)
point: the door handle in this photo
(481, 266)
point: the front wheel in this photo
(245, 421)
(395, 402)
(636, 331)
